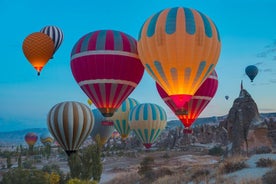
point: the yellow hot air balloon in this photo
(89, 102)
(147, 120)
(120, 117)
(179, 48)
(38, 48)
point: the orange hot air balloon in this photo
(38, 48)
(179, 47)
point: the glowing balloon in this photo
(46, 138)
(251, 71)
(147, 120)
(38, 48)
(120, 117)
(179, 48)
(106, 66)
(55, 34)
(196, 104)
(31, 138)
(104, 130)
(70, 123)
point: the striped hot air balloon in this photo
(120, 117)
(46, 138)
(179, 48)
(196, 104)
(55, 34)
(104, 131)
(38, 48)
(147, 120)
(70, 123)
(106, 66)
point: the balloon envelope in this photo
(46, 138)
(31, 138)
(104, 131)
(55, 34)
(38, 48)
(120, 117)
(179, 48)
(70, 123)
(197, 103)
(147, 120)
(251, 71)
(106, 66)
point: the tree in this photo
(9, 164)
(75, 165)
(19, 161)
(97, 167)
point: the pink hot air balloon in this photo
(106, 66)
(197, 104)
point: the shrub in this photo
(216, 151)
(269, 177)
(233, 164)
(265, 162)
(146, 168)
(263, 149)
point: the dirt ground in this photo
(115, 165)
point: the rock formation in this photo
(243, 114)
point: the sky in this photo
(248, 36)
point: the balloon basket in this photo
(187, 131)
(107, 123)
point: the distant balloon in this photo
(89, 102)
(38, 48)
(46, 138)
(31, 138)
(104, 131)
(55, 34)
(70, 123)
(196, 104)
(226, 97)
(179, 47)
(251, 71)
(106, 66)
(147, 120)
(120, 117)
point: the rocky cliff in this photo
(243, 124)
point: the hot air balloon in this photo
(120, 117)
(106, 66)
(30, 139)
(179, 48)
(89, 102)
(196, 104)
(46, 138)
(147, 120)
(55, 34)
(251, 71)
(70, 123)
(226, 97)
(105, 131)
(38, 48)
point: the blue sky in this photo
(247, 29)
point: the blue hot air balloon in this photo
(251, 71)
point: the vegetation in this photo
(87, 164)
(265, 162)
(146, 168)
(24, 176)
(216, 151)
(233, 164)
(269, 177)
